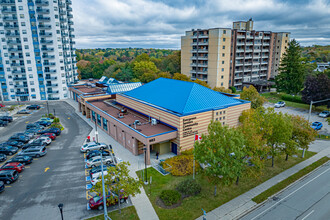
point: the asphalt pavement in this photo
(58, 177)
(306, 199)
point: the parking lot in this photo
(58, 177)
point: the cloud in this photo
(160, 23)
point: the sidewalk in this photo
(141, 201)
(235, 208)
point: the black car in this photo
(14, 143)
(94, 153)
(98, 168)
(43, 123)
(3, 157)
(56, 131)
(8, 150)
(33, 107)
(2, 186)
(20, 138)
(8, 176)
(6, 118)
(21, 159)
(3, 123)
(34, 130)
(33, 144)
(34, 126)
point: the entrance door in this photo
(174, 148)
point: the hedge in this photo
(170, 197)
(181, 165)
(291, 98)
(189, 187)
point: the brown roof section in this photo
(146, 128)
(88, 89)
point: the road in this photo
(38, 191)
(306, 199)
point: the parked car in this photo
(6, 118)
(279, 104)
(97, 169)
(324, 114)
(44, 123)
(111, 199)
(34, 126)
(14, 143)
(24, 111)
(317, 125)
(8, 150)
(46, 119)
(13, 166)
(3, 123)
(94, 153)
(27, 134)
(34, 131)
(50, 135)
(56, 131)
(92, 146)
(2, 106)
(21, 159)
(96, 161)
(2, 186)
(21, 138)
(8, 176)
(34, 144)
(34, 151)
(46, 140)
(3, 157)
(33, 107)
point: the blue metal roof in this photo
(112, 81)
(122, 87)
(103, 80)
(181, 97)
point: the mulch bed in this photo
(161, 204)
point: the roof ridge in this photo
(187, 99)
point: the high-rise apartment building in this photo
(226, 57)
(37, 54)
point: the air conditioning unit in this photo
(137, 122)
(153, 121)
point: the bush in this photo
(233, 89)
(291, 98)
(56, 120)
(50, 115)
(189, 187)
(181, 165)
(57, 125)
(170, 197)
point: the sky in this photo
(161, 23)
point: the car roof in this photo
(7, 171)
(12, 164)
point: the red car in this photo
(112, 199)
(50, 135)
(13, 166)
(2, 106)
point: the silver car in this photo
(34, 151)
(92, 146)
(96, 161)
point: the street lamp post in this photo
(103, 189)
(47, 107)
(96, 133)
(60, 206)
(145, 165)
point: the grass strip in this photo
(128, 213)
(284, 183)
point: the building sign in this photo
(189, 127)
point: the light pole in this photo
(60, 206)
(96, 133)
(54, 112)
(103, 189)
(145, 166)
(47, 107)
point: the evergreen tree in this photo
(291, 75)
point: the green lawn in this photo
(128, 213)
(191, 207)
(274, 98)
(324, 137)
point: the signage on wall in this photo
(189, 125)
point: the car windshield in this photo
(97, 198)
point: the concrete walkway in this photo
(141, 201)
(239, 206)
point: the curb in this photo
(291, 185)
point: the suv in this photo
(46, 119)
(6, 118)
(20, 138)
(96, 161)
(13, 166)
(8, 150)
(33, 107)
(8, 176)
(111, 199)
(56, 131)
(13, 143)
(34, 143)
(34, 151)
(33, 126)
(3, 123)
(94, 153)
(92, 146)
(21, 159)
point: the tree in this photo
(119, 181)
(126, 73)
(148, 77)
(202, 83)
(316, 88)
(222, 89)
(143, 67)
(252, 95)
(222, 150)
(179, 76)
(164, 75)
(142, 57)
(302, 133)
(292, 73)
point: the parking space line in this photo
(27, 166)
(7, 186)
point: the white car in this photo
(98, 179)
(279, 104)
(92, 146)
(98, 174)
(96, 161)
(47, 140)
(324, 114)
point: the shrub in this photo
(181, 165)
(170, 197)
(189, 187)
(57, 125)
(56, 120)
(233, 89)
(291, 98)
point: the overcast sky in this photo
(161, 23)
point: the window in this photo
(98, 119)
(29, 68)
(223, 55)
(20, 8)
(223, 39)
(224, 31)
(25, 39)
(30, 76)
(33, 90)
(222, 69)
(34, 97)
(222, 84)
(26, 46)
(224, 112)
(220, 118)
(23, 24)
(105, 124)
(21, 15)
(216, 113)
(93, 116)
(223, 62)
(223, 117)
(27, 54)
(24, 31)
(223, 47)
(31, 83)
(222, 77)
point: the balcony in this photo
(72, 42)
(239, 50)
(17, 64)
(43, 18)
(45, 27)
(64, 26)
(42, 11)
(5, 11)
(199, 72)
(199, 64)
(7, 2)
(71, 29)
(62, 12)
(239, 57)
(73, 36)
(257, 50)
(46, 42)
(64, 34)
(11, 26)
(70, 15)
(16, 57)
(48, 56)
(238, 64)
(247, 63)
(70, 22)
(50, 71)
(49, 64)
(22, 93)
(240, 36)
(265, 44)
(10, 18)
(199, 58)
(41, 3)
(248, 50)
(61, 5)
(19, 78)
(14, 49)
(249, 37)
(264, 56)
(21, 86)
(239, 71)
(51, 78)
(68, 8)
(52, 91)
(12, 34)
(240, 43)
(52, 85)
(249, 43)
(266, 37)
(45, 34)
(200, 43)
(63, 20)
(47, 49)
(68, 2)
(18, 71)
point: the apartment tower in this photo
(37, 53)
(226, 57)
